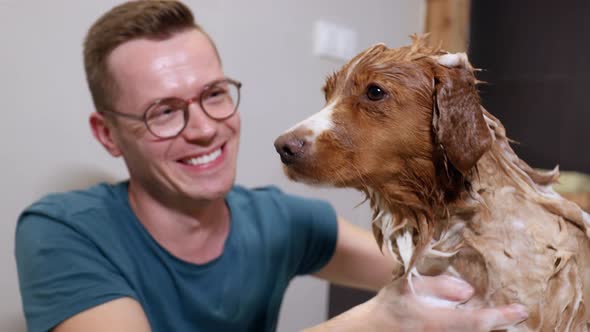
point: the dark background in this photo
(536, 60)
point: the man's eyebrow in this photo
(200, 90)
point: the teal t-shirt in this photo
(79, 249)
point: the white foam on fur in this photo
(518, 224)
(452, 60)
(586, 218)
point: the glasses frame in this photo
(185, 110)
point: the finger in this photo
(502, 317)
(483, 320)
(443, 287)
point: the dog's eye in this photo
(375, 92)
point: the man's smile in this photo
(205, 160)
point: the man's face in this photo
(200, 163)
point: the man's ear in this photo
(458, 120)
(102, 131)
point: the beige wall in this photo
(47, 146)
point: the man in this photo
(178, 247)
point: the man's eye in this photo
(375, 92)
(163, 112)
(216, 95)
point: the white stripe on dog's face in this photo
(317, 123)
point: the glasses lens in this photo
(166, 117)
(221, 99)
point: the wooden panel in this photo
(447, 21)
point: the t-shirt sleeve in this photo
(61, 272)
(314, 232)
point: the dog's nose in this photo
(290, 148)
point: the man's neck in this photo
(196, 235)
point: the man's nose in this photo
(291, 148)
(199, 126)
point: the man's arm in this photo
(357, 261)
(120, 315)
(397, 309)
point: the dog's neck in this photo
(412, 209)
(406, 222)
(418, 199)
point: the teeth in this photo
(204, 159)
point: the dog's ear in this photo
(458, 120)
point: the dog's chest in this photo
(514, 251)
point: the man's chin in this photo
(214, 189)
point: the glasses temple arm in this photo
(125, 115)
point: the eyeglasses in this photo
(167, 117)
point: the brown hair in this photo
(154, 19)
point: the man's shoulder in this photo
(80, 219)
(67, 205)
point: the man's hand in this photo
(432, 308)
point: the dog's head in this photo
(390, 112)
